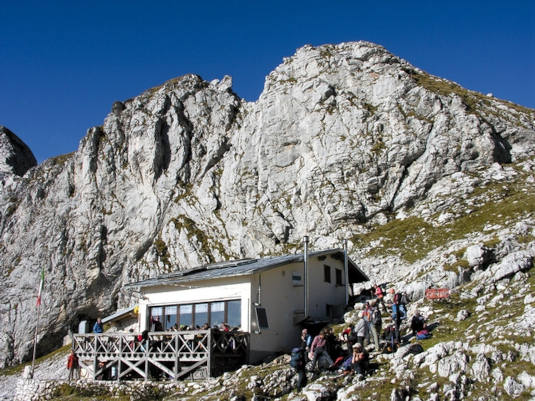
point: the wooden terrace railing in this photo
(162, 355)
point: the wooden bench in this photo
(437, 293)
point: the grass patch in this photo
(61, 159)
(370, 108)
(413, 238)
(183, 222)
(460, 264)
(66, 391)
(473, 101)
(18, 369)
(492, 243)
(378, 147)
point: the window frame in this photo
(327, 274)
(193, 305)
(339, 280)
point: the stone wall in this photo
(39, 390)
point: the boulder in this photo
(478, 256)
(512, 387)
(511, 264)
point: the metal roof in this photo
(119, 313)
(245, 267)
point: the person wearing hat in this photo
(360, 359)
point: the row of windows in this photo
(297, 278)
(197, 315)
(327, 275)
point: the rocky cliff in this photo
(345, 141)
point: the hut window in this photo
(297, 279)
(156, 312)
(186, 315)
(170, 317)
(234, 313)
(338, 277)
(201, 315)
(197, 315)
(217, 313)
(327, 273)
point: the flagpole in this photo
(35, 339)
(39, 295)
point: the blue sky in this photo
(63, 63)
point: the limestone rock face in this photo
(15, 157)
(343, 136)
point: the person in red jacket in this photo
(73, 366)
(380, 295)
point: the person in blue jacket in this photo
(97, 328)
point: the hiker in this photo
(389, 335)
(73, 366)
(380, 295)
(396, 318)
(367, 309)
(417, 323)
(306, 340)
(97, 328)
(348, 337)
(157, 324)
(298, 362)
(362, 329)
(376, 323)
(317, 349)
(331, 345)
(389, 297)
(403, 301)
(360, 359)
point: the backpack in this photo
(397, 298)
(297, 360)
(423, 334)
(404, 299)
(376, 317)
(415, 349)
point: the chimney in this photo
(305, 278)
(346, 271)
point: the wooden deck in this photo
(170, 355)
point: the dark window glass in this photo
(217, 313)
(234, 313)
(170, 317)
(327, 273)
(186, 316)
(201, 314)
(156, 313)
(338, 277)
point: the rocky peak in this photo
(343, 140)
(15, 157)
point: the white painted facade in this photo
(274, 289)
(223, 289)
